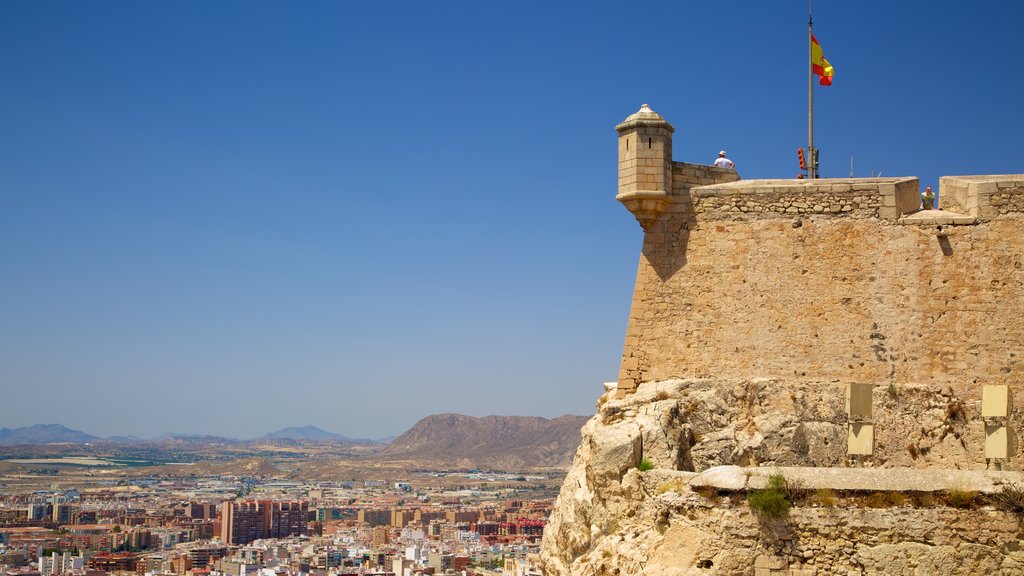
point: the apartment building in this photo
(248, 520)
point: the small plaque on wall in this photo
(861, 439)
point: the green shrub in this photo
(768, 503)
(777, 482)
(771, 502)
(644, 465)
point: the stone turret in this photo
(645, 164)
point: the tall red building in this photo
(248, 520)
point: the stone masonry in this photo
(823, 278)
(757, 304)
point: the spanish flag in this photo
(820, 66)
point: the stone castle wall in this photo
(821, 279)
(851, 198)
(982, 196)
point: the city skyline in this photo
(355, 216)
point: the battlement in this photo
(840, 279)
(879, 198)
(982, 196)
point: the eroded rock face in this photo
(612, 519)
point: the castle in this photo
(828, 330)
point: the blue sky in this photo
(230, 217)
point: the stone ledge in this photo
(937, 218)
(739, 478)
(820, 185)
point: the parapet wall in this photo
(823, 279)
(686, 175)
(879, 198)
(982, 196)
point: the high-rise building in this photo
(241, 522)
(374, 517)
(62, 513)
(380, 536)
(248, 520)
(200, 510)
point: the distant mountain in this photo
(40, 434)
(178, 438)
(125, 439)
(43, 434)
(305, 433)
(503, 442)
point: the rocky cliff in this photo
(688, 515)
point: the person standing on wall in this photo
(927, 199)
(723, 162)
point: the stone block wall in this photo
(1008, 196)
(850, 197)
(645, 160)
(982, 196)
(795, 279)
(686, 175)
(713, 536)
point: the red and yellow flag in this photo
(819, 65)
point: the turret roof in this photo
(644, 117)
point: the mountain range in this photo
(441, 439)
(43, 434)
(39, 434)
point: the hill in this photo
(43, 434)
(313, 434)
(502, 442)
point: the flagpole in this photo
(811, 169)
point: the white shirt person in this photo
(723, 162)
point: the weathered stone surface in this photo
(652, 523)
(849, 300)
(609, 514)
(756, 304)
(722, 477)
(860, 479)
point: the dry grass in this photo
(825, 497)
(1010, 498)
(676, 485)
(708, 492)
(961, 498)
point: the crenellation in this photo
(985, 197)
(767, 198)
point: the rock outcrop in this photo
(689, 516)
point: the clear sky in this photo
(231, 217)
